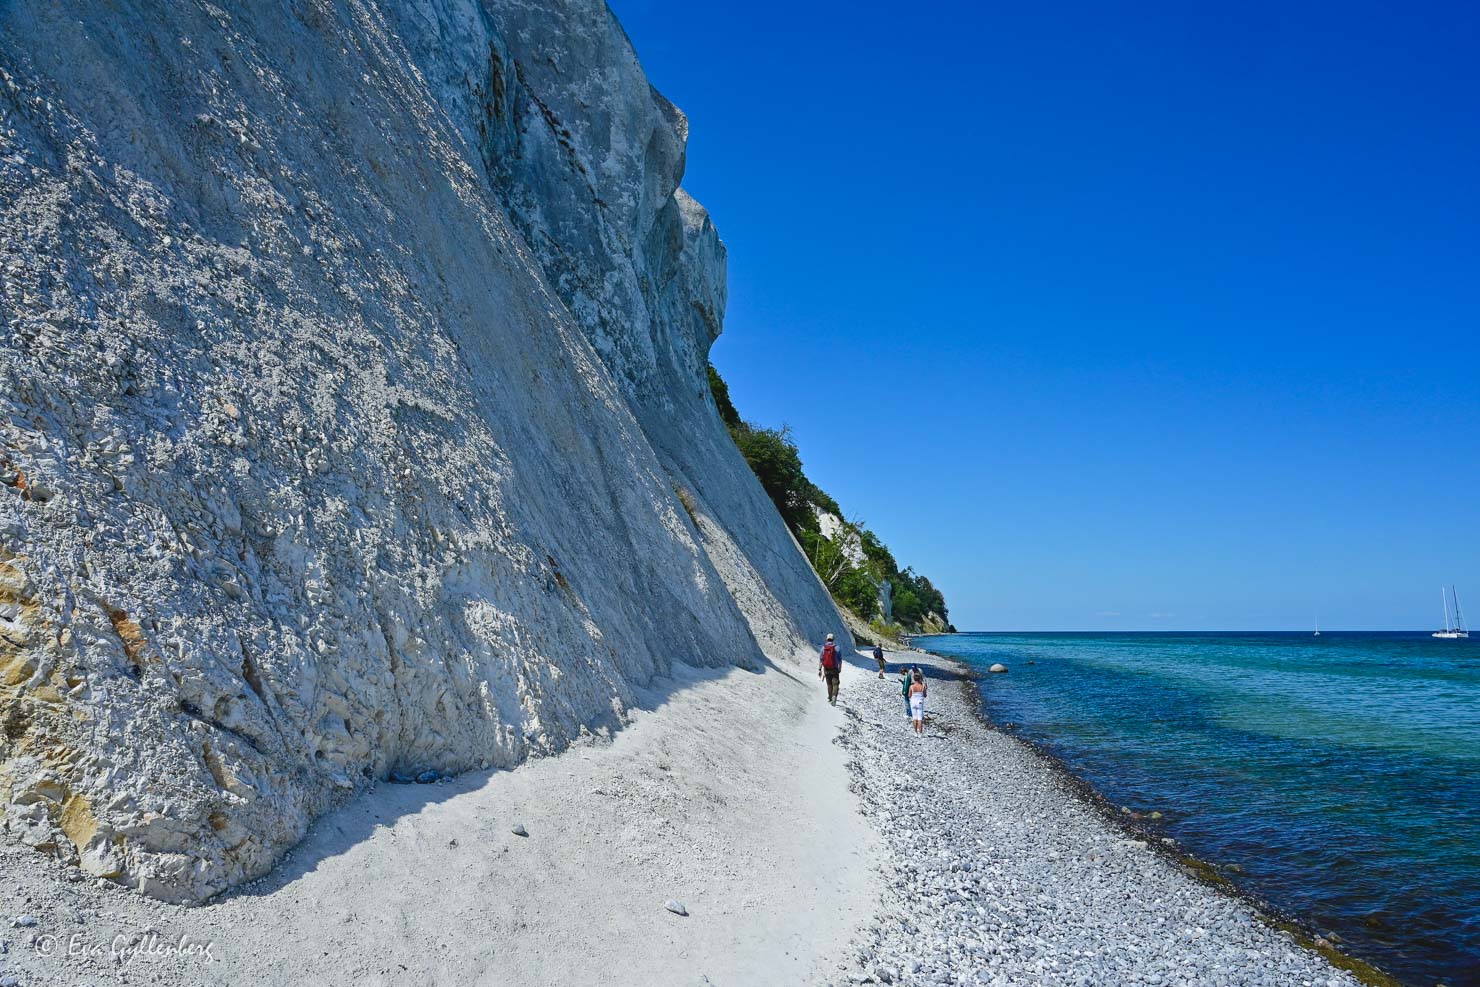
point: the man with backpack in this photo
(879, 657)
(831, 668)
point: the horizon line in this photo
(1182, 630)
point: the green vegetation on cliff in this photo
(857, 568)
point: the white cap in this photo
(829, 637)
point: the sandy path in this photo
(728, 795)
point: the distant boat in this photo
(1458, 628)
(1318, 627)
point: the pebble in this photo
(23, 922)
(675, 906)
(997, 873)
(519, 830)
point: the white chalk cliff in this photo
(353, 415)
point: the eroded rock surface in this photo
(353, 419)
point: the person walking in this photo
(830, 667)
(917, 702)
(906, 679)
(879, 657)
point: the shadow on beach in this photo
(893, 667)
(354, 821)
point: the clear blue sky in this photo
(1109, 315)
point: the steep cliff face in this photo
(587, 158)
(353, 420)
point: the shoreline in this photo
(808, 844)
(1008, 865)
(1137, 826)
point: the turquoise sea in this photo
(1340, 775)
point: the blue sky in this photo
(1109, 316)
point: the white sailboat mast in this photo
(1444, 599)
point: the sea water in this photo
(1339, 775)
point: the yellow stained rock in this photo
(77, 820)
(131, 634)
(15, 667)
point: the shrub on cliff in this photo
(776, 461)
(721, 392)
(859, 593)
(875, 551)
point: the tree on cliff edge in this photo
(777, 462)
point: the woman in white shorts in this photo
(917, 703)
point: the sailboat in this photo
(1318, 627)
(1458, 628)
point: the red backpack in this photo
(829, 655)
